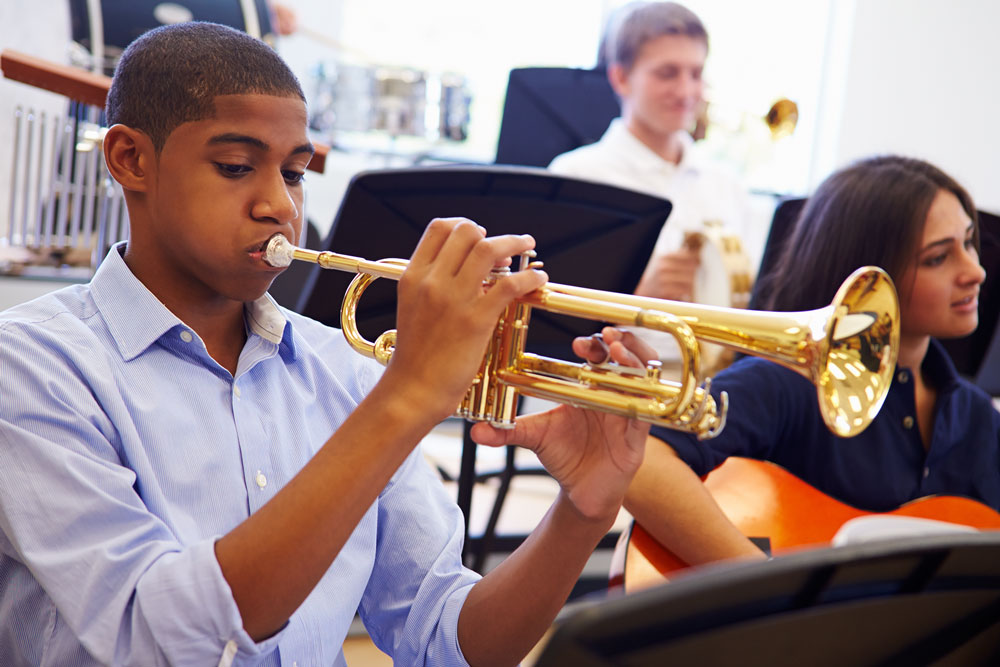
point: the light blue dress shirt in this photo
(126, 452)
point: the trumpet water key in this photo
(847, 349)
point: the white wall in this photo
(922, 80)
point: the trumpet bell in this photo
(862, 344)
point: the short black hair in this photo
(869, 213)
(172, 75)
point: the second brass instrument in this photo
(847, 349)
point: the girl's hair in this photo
(870, 213)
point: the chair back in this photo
(551, 110)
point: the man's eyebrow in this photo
(235, 138)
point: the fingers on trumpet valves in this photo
(602, 350)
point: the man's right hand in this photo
(671, 275)
(445, 317)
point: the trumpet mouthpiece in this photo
(279, 252)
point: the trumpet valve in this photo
(654, 367)
(526, 262)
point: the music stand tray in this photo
(891, 602)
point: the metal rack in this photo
(65, 209)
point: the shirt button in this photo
(927, 471)
(907, 422)
(186, 336)
(236, 390)
(903, 376)
(260, 479)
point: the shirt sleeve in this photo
(418, 585)
(766, 404)
(71, 514)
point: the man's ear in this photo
(130, 157)
(618, 78)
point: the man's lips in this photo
(257, 253)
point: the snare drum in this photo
(398, 101)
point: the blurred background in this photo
(396, 83)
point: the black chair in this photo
(967, 353)
(928, 600)
(786, 212)
(121, 21)
(970, 353)
(550, 110)
(587, 235)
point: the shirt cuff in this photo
(190, 609)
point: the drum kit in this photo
(392, 101)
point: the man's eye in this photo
(232, 170)
(293, 177)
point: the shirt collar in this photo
(645, 157)
(938, 368)
(136, 318)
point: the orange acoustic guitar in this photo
(764, 500)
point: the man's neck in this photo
(221, 326)
(668, 146)
(218, 320)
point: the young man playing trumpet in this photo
(190, 474)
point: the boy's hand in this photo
(593, 455)
(445, 317)
(618, 345)
(671, 276)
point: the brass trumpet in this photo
(847, 349)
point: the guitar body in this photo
(764, 500)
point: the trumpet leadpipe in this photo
(280, 252)
(553, 297)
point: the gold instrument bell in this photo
(782, 118)
(847, 350)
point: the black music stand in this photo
(927, 600)
(550, 110)
(587, 235)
